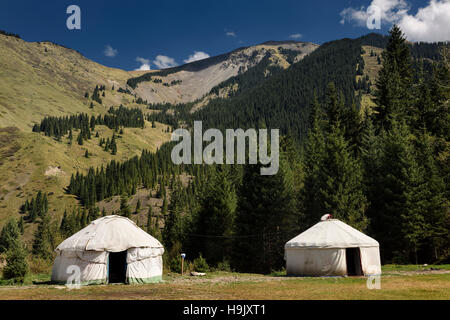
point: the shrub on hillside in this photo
(224, 266)
(200, 264)
(39, 265)
(16, 265)
(175, 264)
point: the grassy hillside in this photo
(39, 79)
(32, 162)
(45, 79)
(371, 69)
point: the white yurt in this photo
(111, 249)
(332, 248)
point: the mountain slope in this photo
(40, 79)
(283, 100)
(45, 79)
(192, 81)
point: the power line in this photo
(242, 236)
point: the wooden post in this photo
(183, 255)
(182, 262)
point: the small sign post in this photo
(183, 255)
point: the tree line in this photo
(116, 118)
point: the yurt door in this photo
(353, 259)
(117, 267)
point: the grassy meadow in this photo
(398, 282)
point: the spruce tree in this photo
(113, 147)
(9, 234)
(393, 184)
(153, 226)
(16, 264)
(173, 226)
(266, 218)
(394, 82)
(124, 208)
(333, 180)
(312, 159)
(424, 221)
(138, 206)
(341, 183)
(42, 239)
(70, 136)
(80, 139)
(149, 226)
(65, 225)
(334, 107)
(216, 217)
(433, 94)
(165, 205)
(21, 225)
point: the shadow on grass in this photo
(41, 282)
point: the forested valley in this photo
(384, 171)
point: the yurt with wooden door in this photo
(111, 249)
(332, 248)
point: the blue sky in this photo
(179, 28)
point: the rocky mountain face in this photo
(193, 81)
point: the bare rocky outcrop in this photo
(196, 83)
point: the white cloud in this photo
(198, 55)
(164, 62)
(110, 52)
(391, 11)
(295, 36)
(145, 64)
(430, 23)
(230, 34)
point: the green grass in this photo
(232, 285)
(371, 69)
(412, 267)
(30, 279)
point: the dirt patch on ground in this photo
(53, 171)
(226, 279)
